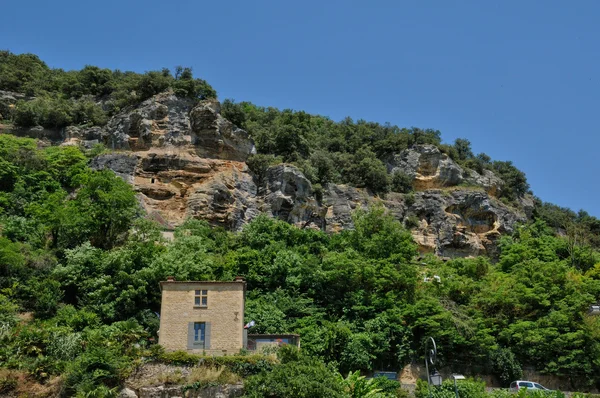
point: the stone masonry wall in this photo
(225, 312)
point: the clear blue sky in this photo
(519, 79)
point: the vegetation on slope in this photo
(73, 254)
(88, 96)
(79, 271)
(353, 152)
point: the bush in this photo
(243, 365)
(401, 182)
(466, 389)
(259, 164)
(505, 366)
(95, 367)
(409, 199)
(411, 221)
(234, 113)
(391, 388)
(303, 378)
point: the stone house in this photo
(207, 317)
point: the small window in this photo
(199, 334)
(201, 298)
(526, 384)
(539, 386)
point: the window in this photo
(199, 334)
(201, 298)
(526, 384)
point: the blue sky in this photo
(519, 79)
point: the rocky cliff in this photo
(188, 161)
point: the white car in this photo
(530, 385)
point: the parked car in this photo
(530, 385)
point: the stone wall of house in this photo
(224, 312)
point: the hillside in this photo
(338, 228)
(194, 159)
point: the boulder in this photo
(216, 137)
(122, 164)
(487, 180)
(461, 223)
(429, 167)
(289, 196)
(127, 393)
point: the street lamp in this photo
(430, 357)
(436, 378)
(457, 377)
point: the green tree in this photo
(463, 147)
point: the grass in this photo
(207, 375)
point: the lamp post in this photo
(457, 377)
(430, 357)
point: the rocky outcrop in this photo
(123, 164)
(186, 161)
(428, 167)
(460, 223)
(487, 180)
(8, 100)
(163, 121)
(157, 380)
(168, 121)
(214, 136)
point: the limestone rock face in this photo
(8, 99)
(429, 167)
(185, 160)
(164, 121)
(157, 122)
(123, 164)
(460, 223)
(214, 136)
(488, 181)
(288, 195)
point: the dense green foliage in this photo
(88, 96)
(476, 389)
(89, 274)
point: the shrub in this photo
(304, 378)
(505, 366)
(259, 164)
(233, 112)
(97, 366)
(411, 221)
(409, 199)
(243, 365)
(466, 389)
(401, 182)
(391, 388)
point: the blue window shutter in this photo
(207, 336)
(190, 339)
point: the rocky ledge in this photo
(185, 160)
